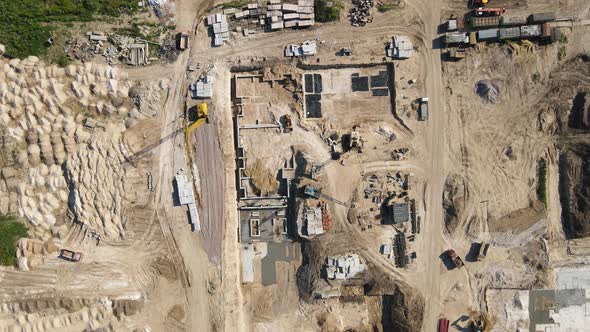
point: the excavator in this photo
(202, 116)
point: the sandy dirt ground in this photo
(150, 270)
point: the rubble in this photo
(360, 13)
(160, 7)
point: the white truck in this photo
(423, 109)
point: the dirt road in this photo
(429, 12)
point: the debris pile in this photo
(488, 91)
(80, 49)
(114, 48)
(66, 164)
(360, 13)
(168, 51)
(160, 7)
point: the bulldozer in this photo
(202, 115)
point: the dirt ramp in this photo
(454, 198)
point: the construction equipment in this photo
(481, 11)
(70, 255)
(182, 39)
(455, 258)
(288, 123)
(455, 54)
(316, 193)
(423, 110)
(316, 168)
(482, 251)
(345, 51)
(356, 142)
(202, 116)
(443, 325)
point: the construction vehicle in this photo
(316, 193)
(423, 109)
(455, 258)
(182, 39)
(482, 251)
(70, 255)
(202, 115)
(485, 11)
(356, 142)
(456, 54)
(345, 51)
(288, 123)
(316, 168)
(443, 325)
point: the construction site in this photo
(409, 166)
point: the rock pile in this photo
(360, 13)
(57, 168)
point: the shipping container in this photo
(528, 31)
(483, 22)
(512, 20)
(546, 30)
(455, 38)
(542, 17)
(509, 33)
(487, 35)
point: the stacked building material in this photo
(202, 89)
(308, 47)
(138, 54)
(343, 267)
(218, 23)
(400, 47)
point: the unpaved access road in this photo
(429, 12)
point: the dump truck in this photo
(455, 258)
(70, 255)
(456, 54)
(423, 109)
(443, 325)
(183, 40)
